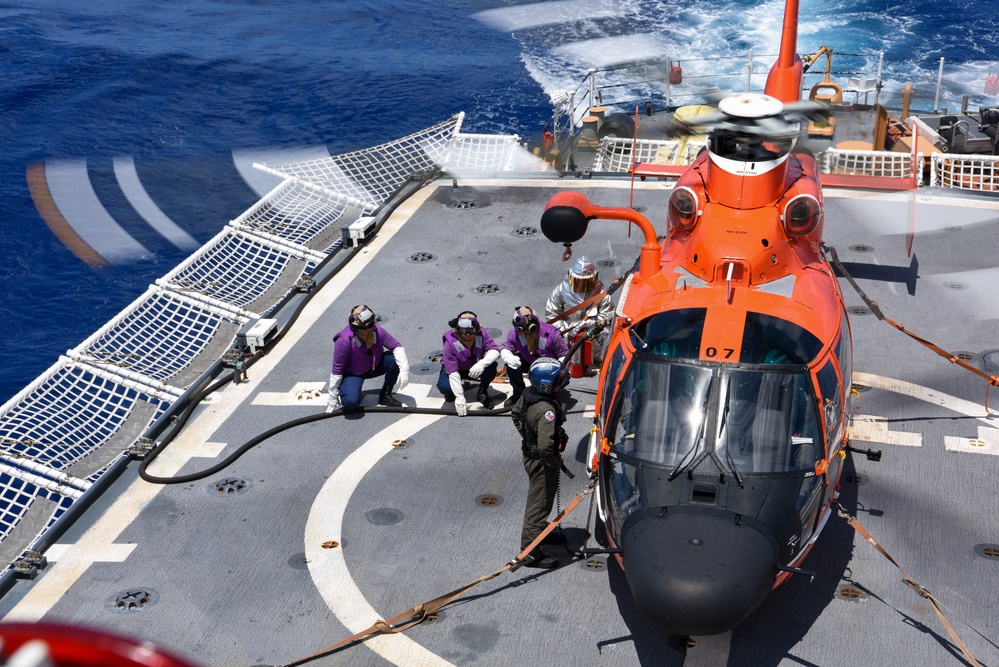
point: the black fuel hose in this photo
(253, 442)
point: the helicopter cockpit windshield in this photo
(755, 417)
(758, 420)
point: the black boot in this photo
(508, 403)
(387, 399)
(448, 397)
(484, 398)
(538, 558)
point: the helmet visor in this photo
(582, 285)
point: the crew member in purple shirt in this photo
(469, 353)
(528, 340)
(359, 354)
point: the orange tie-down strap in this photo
(428, 610)
(917, 587)
(992, 380)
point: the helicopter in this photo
(719, 434)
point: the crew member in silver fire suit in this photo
(538, 416)
(582, 282)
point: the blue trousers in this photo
(488, 375)
(350, 387)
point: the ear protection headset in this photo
(361, 317)
(525, 322)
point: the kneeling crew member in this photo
(539, 416)
(359, 354)
(469, 353)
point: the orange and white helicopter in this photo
(719, 435)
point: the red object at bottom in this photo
(581, 359)
(74, 646)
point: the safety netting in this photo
(965, 172)
(616, 154)
(66, 429)
(889, 164)
(367, 178)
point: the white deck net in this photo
(62, 432)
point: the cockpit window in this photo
(768, 421)
(748, 148)
(674, 333)
(662, 411)
(771, 340)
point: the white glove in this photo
(400, 359)
(454, 379)
(475, 372)
(510, 359)
(333, 403)
(460, 405)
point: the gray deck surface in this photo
(242, 579)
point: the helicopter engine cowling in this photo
(697, 571)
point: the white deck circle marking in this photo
(328, 568)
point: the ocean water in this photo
(187, 81)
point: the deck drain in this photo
(422, 258)
(384, 516)
(851, 593)
(859, 310)
(463, 204)
(425, 369)
(966, 356)
(594, 564)
(131, 600)
(298, 562)
(435, 356)
(399, 443)
(490, 500)
(861, 388)
(861, 248)
(854, 478)
(330, 544)
(988, 551)
(488, 288)
(308, 394)
(956, 286)
(525, 232)
(229, 486)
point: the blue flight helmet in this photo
(547, 375)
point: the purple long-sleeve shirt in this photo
(351, 357)
(550, 344)
(457, 357)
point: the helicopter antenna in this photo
(784, 80)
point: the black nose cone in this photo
(697, 573)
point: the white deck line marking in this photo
(95, 544)
(871, 428)
(986, 443)
(301, 394)
(135, 193)
(328, 568)
(959, 405)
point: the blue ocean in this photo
(187, 82)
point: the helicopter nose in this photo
(698, 572)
